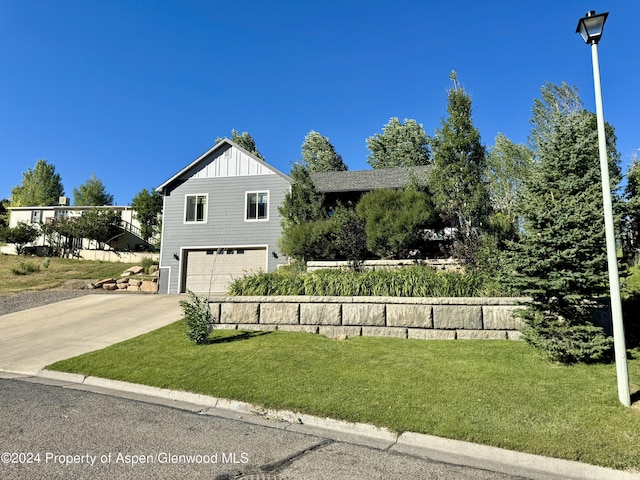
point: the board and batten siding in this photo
(226, 186)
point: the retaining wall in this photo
(343, 317)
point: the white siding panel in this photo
(236, 164)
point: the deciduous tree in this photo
(148, 211)
(92, 194)
(4, 213)
(21, 235)
(399, 145)
(41, 186)
(99, 225)
(319, 154)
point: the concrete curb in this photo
(506, 461)
(427, 446)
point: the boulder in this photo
(110, 286)
(122, 280)
(133, 288)
(134, 270)
(153, 269)
(148, 286)
(104, 281)
(135, 283)
(122, 286)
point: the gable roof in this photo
(366, 180)
(222, 144)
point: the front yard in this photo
(499, 393)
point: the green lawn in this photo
(499, 393)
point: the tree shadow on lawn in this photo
(241, 335)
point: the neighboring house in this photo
(129, 238)
(220, 220)
(351, 185)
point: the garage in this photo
(211, 271)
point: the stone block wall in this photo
(343, 317)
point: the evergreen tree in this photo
(303, 203)
(561, 259)
(244, 140)
(457, 181)
(305, 231)
(92, 194)
(399, 145)
(41, 186)
(319, 155)
(631, 237)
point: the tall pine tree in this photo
(457, 181)
(560, 260)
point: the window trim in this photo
(206, 208)
(246, 204)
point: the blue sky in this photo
(135, 90)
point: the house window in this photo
(257, 206)
(195, 208)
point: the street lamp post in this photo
(590, 27)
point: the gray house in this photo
(220, 220)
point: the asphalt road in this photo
(53, 432)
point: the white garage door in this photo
(211, 271)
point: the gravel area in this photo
(16, 302)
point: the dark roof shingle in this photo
(366, 180)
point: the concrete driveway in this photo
(32, 339)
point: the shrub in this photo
(395, 221)
(25, 268)
(310, 240)
(413, 281)
(46, 262)
(147, 262)
(198, 318)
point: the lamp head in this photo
(590, 26)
